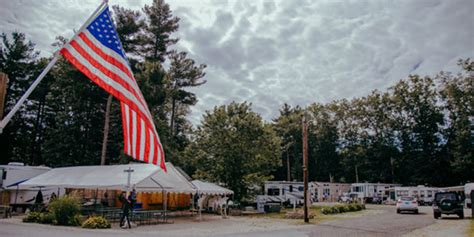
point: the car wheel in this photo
(416, 211)
(436, 215)
(398, 211)
(461, 215)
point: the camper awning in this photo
(145, 178)
(211, 188)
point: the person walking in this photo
(125, 211)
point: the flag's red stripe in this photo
(129, 85)
(105, 56)
(103, 84)
(124, 129)
(155, 155)
(147, 145)
(162, 158)
(139, 137)
(106, 71)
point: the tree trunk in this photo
(357, 174)
(173, 108)
(3, 92)
(106, 130)
(288, 170)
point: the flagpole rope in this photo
(18, 104)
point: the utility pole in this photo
(3, 92)
(305, 167)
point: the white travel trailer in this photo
(14, 174)
(423, 194)
(328, 191)
(284, 191)
(468, 189)
(372, 192)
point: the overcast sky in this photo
(291, 51)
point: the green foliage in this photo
(235, 147)
(96, 222)
(32, 217)
(353, 207)
(342, 208)
(326, 210)
(47, 218)
(66, 211)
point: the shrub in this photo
(326, 210)
(341, 208)
(46, 218)
(347, 208)
(334, 210)
(96, 222)
(65, 210)
(352, 207)
(32, 217)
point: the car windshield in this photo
(449, 196)
(407, 198)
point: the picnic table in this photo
(141, 217)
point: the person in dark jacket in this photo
(125, 211)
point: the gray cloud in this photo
(295, 52)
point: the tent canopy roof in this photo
(211, 188)
(145, 178)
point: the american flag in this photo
(98, 53)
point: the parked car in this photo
(377, 200)
(347, 197)
(448, 203)
(409, 204)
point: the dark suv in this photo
(449, 203)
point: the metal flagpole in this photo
(129, 171)
(17, 106)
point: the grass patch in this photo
(319, 213)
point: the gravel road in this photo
(380, 221)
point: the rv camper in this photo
(371, 192)
(284, 192)
(468, 192)
(423, 194)
(327, 191)
(14, 174)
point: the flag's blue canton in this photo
(103, 29)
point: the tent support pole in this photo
(165, 203)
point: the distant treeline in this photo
(420, 131)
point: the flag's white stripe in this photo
(106, 79)
(112, 53)
(152, 146)
(127, 124)
(143, 130)
(134, 134)
(106, 64)
(108, 51)
(130, 80)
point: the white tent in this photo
(211, 188)
(144, 178)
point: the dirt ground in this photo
(377, 220)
